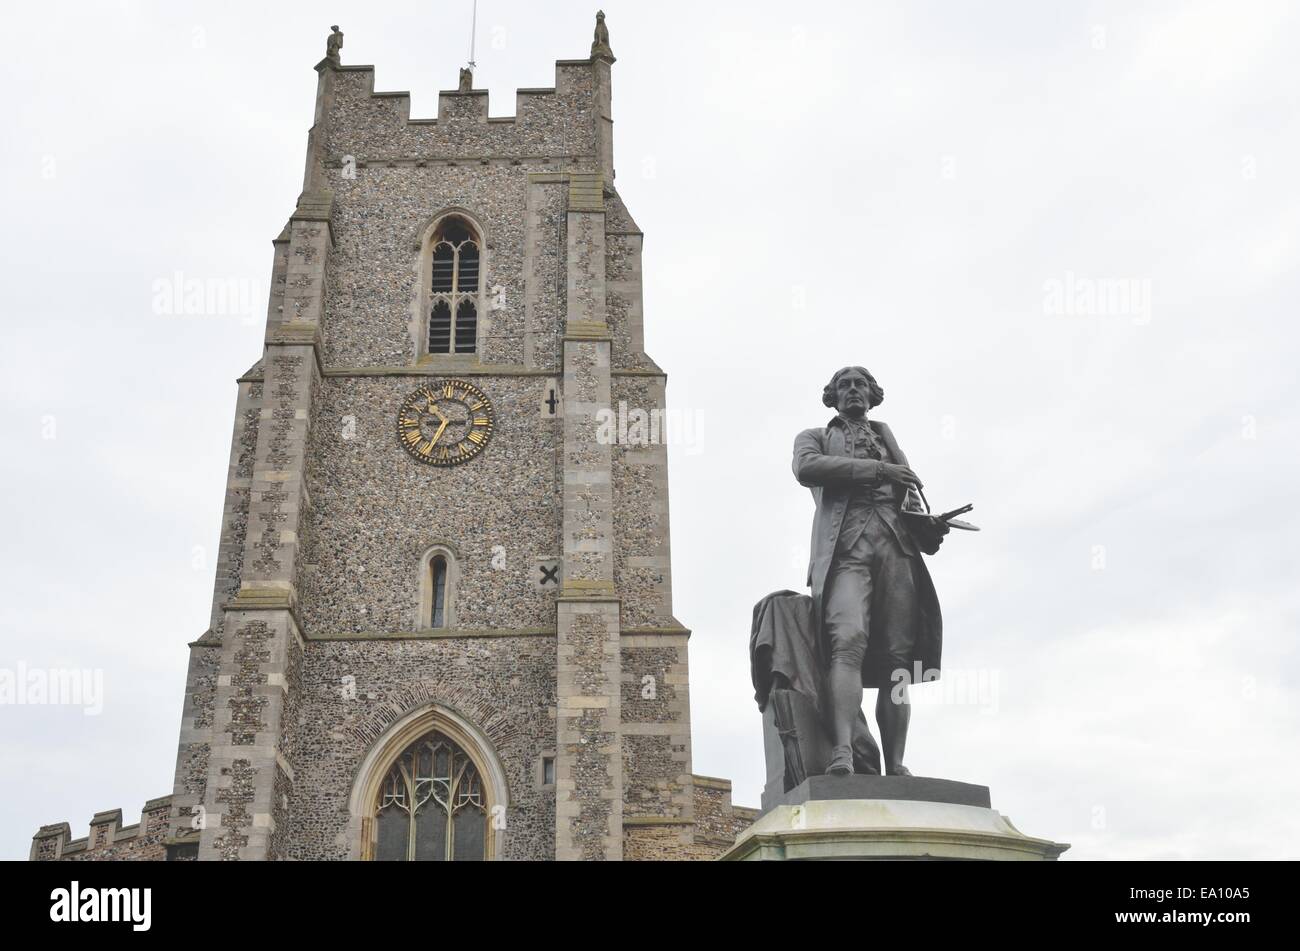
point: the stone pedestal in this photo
(887, 817)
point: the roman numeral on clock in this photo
(456, 408)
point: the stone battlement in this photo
(564, 121)
(108, 838)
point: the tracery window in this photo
(431, 806)
(455, 287)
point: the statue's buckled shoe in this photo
(841, 762)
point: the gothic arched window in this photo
(455, 287)
(431, 806)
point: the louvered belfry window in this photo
(455, 283)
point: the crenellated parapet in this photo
(563, 121)
(108, 838)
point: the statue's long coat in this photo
(824, 463)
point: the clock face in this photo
(445, 423)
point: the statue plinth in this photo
(887, 817)
(913, 788)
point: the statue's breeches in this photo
(871, 605)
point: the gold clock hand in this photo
(441, 429)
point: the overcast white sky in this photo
(910, 186)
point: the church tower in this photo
(442, 626)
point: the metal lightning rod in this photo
(473, 34)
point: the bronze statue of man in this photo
(873, 601)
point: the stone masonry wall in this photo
(373, 294)
(352, 690)
(190, 783)
(642, 565)
(549, 122)
(376, 511)
(656, 727)
(234, 519)
(717, 821)
(716, 826)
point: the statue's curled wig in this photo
(875, 396)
